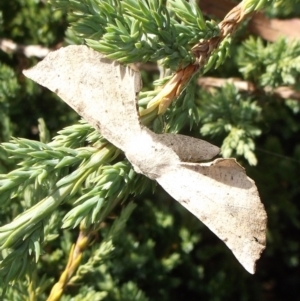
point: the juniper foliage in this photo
(52, 191)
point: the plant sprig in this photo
(93, 188)
(140, 31)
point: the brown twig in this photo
(10, 46)
(208, 82)
(282, 92)
(228, 26)
(268, 29)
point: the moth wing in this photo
(101, 90)
(225, 200)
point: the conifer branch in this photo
(74, 261)
(202, 52)
(85, 236)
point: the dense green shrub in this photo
(163, 253)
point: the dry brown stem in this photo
(283, 92)
(208, 82)
(228, 26)
(10, 46)
(268, 29)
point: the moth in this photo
(218, 193)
